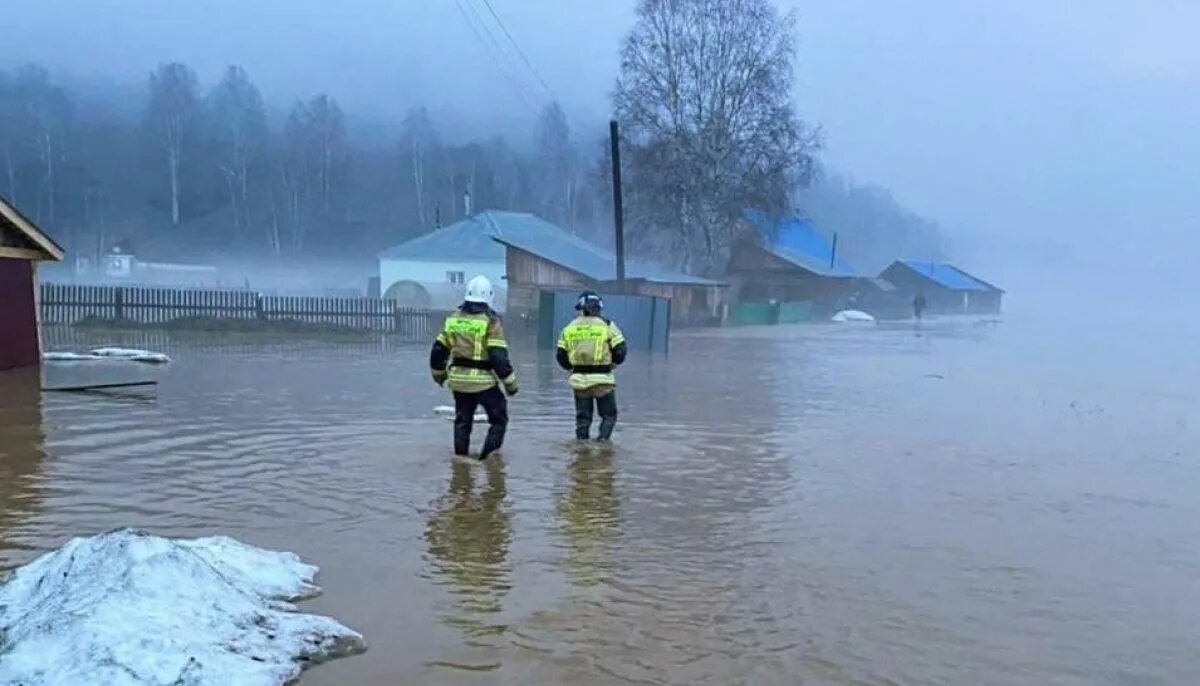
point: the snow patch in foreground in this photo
(852, 316)
(130, 609)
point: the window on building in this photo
(456, 277)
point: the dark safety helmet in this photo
(589, 302)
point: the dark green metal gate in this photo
(645, 320)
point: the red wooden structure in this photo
(22, 246)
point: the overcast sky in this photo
(1005, 120)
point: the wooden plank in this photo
(21, 253)
(92, 387)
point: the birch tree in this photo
(38, 117)
(555, 183)
(315, 164)
(240, 125)
(704, 99)
(419, 149)
(10, 134)
(172, 116)
(509, 174)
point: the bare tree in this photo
(39, 115)
(315, 161)
(173, 109)
(241, 127)
(10, 134)
(553, 164)
(704, 100)
(509, 174)
(419, 148)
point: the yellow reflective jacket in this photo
(590, 347)
(472, 349)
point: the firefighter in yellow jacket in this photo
(590, 347)
(471, 357)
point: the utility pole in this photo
(833, 252)
(618, 207)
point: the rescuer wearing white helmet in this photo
(471, 357)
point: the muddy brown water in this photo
(817, 505)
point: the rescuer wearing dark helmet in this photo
(470, 355)
(589, 348)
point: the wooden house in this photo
(432, 269)
(541, 256)
(787, 262)
(947, 289)
(22, 246)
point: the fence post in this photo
(259, 312)
(120, 303)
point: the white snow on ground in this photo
(132, 354)
(130, 609)
(852, 316)
(125, 354)
(69, 357)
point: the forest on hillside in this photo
(196, 169)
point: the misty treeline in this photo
(208, 168)
(709, 128)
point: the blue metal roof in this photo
(798, 241)
(545, 240)
(467, 240)
(947, 276)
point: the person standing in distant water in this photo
(590, 347)
(471, 356)
(919, 305)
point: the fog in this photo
(952, 489)
(1042, 137)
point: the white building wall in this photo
(421, 271)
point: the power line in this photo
(524, 57)
(522, 92)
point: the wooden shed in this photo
(541, 257)
(786, 261)
(22, 246)
(947, 289)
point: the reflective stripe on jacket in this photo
(588, 343)
(475, 352)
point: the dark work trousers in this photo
(495, 405)
(586, 403)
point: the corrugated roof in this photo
(798, 241)
(466, 240)
(539, 237)
(948, 276)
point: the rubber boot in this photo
(607, 404)
(583, 416)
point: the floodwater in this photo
(966, 504)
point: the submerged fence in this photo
(72, 304)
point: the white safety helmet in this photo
(479, 290)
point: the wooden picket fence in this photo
(73, 303)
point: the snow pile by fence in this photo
(132, 354)
(130, 609)
(127, 354)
